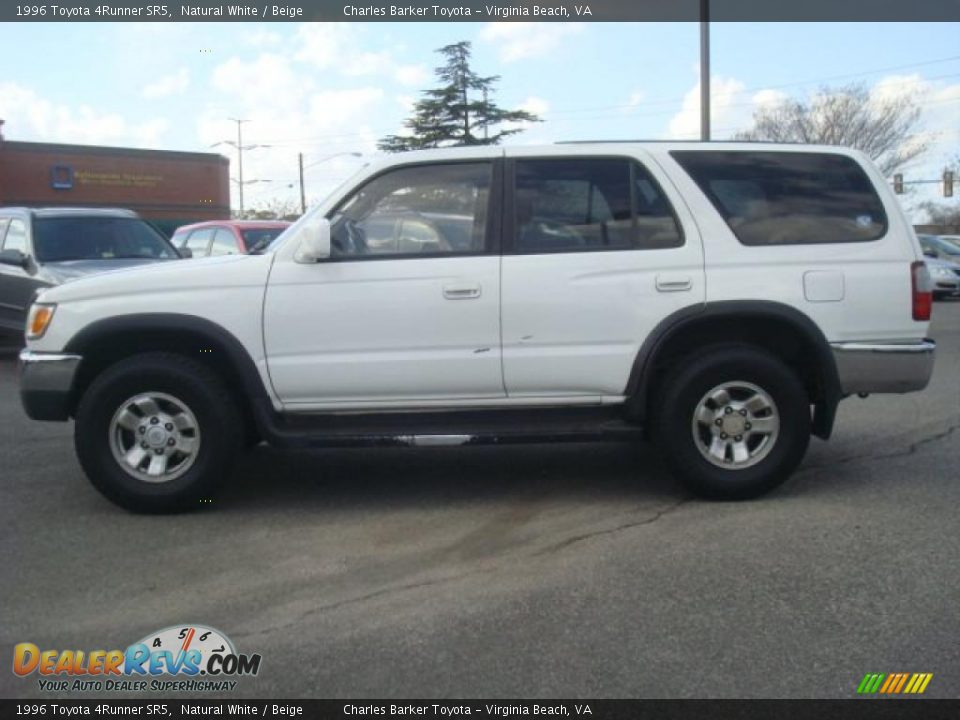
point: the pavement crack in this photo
(911, 449)
(563, 544)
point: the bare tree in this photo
(941, 214)
(882, 128)
(274, 209)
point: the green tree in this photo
(460, 111)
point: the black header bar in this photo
(480, 11)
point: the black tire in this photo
(681, 395)
(202, 392)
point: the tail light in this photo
(922, 289)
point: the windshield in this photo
(98, 238)
(950, 245)
(257, 239)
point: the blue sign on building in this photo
(61, 177)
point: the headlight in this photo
(39, 320)
(940, 271)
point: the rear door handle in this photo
(673, 283)
(461, 292)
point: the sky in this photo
(323, 89)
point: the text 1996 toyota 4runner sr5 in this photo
(718, 298)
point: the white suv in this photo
(719, 298)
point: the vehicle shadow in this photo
(418, 477)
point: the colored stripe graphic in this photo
(894, 683)
(903, 680)
(870, 683)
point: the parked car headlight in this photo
(41, 314)
(938, 271)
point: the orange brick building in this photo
(167, 188)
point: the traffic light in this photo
(948, 183)
(898, 183)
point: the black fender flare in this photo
(830, 392)
(98, 333)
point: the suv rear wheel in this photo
(733, 421)
(157, 432)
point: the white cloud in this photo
(521, 40)
(172, 84)
(412, 74)
(724, 96)
(267, 79)
(289, 110)
(768, 98)
(322, 45)
(535, 105)
(264, 38)
(633, 102)
(30, 116)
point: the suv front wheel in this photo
(733, 421)
(157, 432)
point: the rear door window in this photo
(589, 204)
(788, 198)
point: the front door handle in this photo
(673, 283)
(461, 292)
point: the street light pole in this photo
(704, 69)
(303, 196)
(240, 160)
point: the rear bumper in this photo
(46, 384)
(884, 367)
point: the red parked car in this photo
(227, 237)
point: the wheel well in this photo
(783, 339)
(111, 348)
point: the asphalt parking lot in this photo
(572, 570)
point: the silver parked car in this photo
(41, 247)
(945, 277)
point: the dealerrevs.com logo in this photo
(186, 658)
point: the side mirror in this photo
(930, 253)
(15, 258)
(185, 253)
(314, 241)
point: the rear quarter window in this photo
(788, 198)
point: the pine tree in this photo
(458, 112)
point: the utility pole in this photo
(704, 69)
(303, 196)
(240, 148)
(240, 160)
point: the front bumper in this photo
(46, 384)
(884, 367)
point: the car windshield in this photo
(60, 239)
(950, 245)
(257, 239)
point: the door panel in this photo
(384, 330)
(407, 308)
(593, 272)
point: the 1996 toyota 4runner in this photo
(718, 298)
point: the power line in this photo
(320, 139)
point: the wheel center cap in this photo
(734, 424)
(156, 436)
